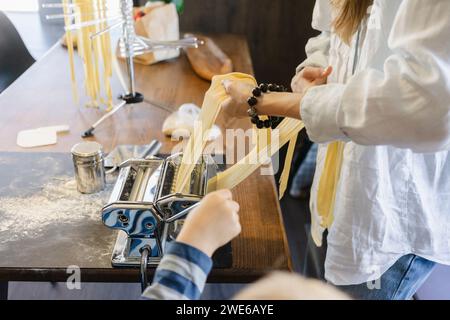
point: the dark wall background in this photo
(277, 30)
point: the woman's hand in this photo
(310, 77)
(282, 104)
(213, 223)
(236, 105)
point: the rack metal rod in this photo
(90, 23)
(129, 36)
(108, 29)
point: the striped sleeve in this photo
(181, 275)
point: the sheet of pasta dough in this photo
(214, 97)
(259, 155)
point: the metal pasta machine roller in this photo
(147, 211)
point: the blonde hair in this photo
(350, 15)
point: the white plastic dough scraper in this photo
(40, 137)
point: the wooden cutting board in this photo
(208, 59)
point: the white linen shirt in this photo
(393, 196)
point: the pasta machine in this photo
(146, 209)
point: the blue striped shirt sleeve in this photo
(181, 275)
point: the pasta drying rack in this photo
(131, 45)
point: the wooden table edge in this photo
(118, 275)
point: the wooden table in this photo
(42, 96)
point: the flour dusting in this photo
(57, 202)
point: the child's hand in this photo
(213, 223)
(310, 77)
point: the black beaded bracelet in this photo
(257, 92)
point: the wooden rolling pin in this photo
(209, 60)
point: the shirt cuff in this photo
(319, 112)
(191, 254)
(317, 60)
(181, 274)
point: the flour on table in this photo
(57, 203)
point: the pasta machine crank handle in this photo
(145, 253)
(182, 213)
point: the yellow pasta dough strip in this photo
(286, 131)
(95, 53)
(96, 63)
(70, 50)
(287, 167)
(214, 97)
(84, 47)
(326, 194)
(106, 54)
(259, 155)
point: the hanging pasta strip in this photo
(96, 46)
(84, 48)
(95, 53)
(70, 49)
(287, 130)
(284, 179)
(106, 53)
(265, 144)
(214, 97)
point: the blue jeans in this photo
(304, 177)
(400, 282)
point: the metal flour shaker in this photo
(89, 167)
